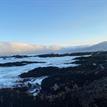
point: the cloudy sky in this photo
(53, 22)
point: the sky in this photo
(53, 22)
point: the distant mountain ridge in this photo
(98, 47)
(102, 46)
(8, 48)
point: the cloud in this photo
(10, 48)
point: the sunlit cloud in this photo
(7, 48)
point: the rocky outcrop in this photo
(22, 63)
(81, 86)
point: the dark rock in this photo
(22, 63)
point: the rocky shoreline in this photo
(84, 85)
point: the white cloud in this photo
(9, 48)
